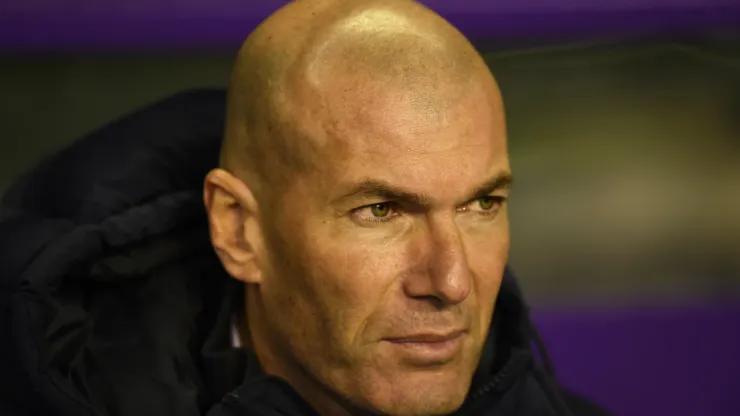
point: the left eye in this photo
(487, 204)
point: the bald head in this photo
(365, 204)
(316, 59)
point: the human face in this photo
(386, 259)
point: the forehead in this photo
(428, 137)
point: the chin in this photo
(421, 393)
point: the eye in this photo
(487, 205)
(381, 212)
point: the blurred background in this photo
(624, 126)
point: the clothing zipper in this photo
(490, 385)
(516, 363)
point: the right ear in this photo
(233, 218)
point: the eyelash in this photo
(496, 199)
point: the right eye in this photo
(381, 212)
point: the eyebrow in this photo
(373, 188)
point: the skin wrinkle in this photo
(325, 94)
(259, 65)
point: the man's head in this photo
(362, 201)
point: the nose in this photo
(444, 274)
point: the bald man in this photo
(362, 201)
(351, 259)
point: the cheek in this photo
(355, 276)
(487, 254)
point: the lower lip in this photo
(429, 353)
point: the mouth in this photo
(428, 349)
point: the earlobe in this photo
(233, 218)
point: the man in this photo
(360, 213)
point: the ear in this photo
(233, 218)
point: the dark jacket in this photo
(113, 302)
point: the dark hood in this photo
(112, 298)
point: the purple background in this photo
(106, 25)
(649, 361)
